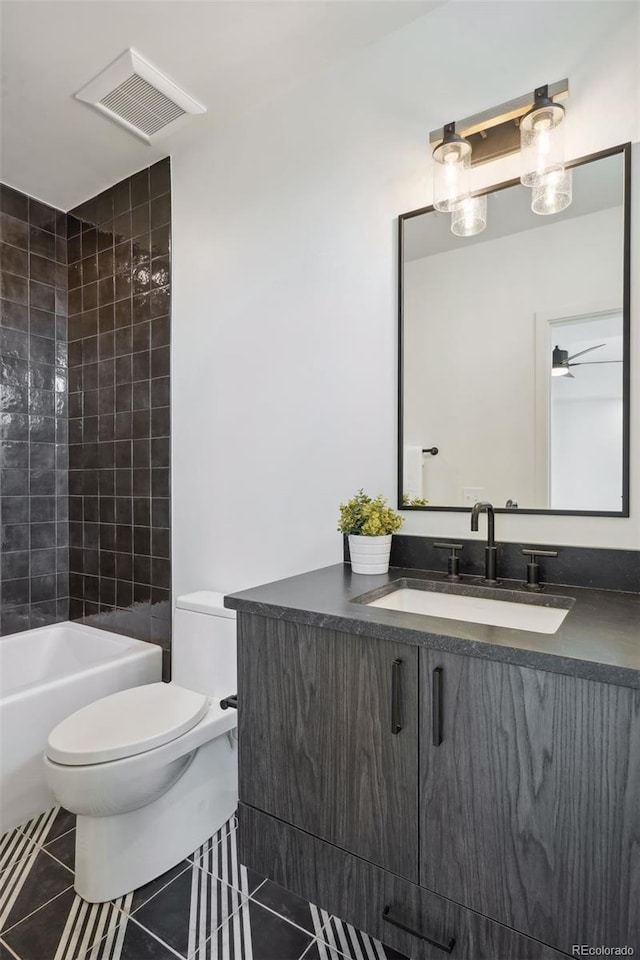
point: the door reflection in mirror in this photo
(585, 415)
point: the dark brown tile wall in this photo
(33, 413)
(119, 413)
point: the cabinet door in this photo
(530, 804)
(316, 745)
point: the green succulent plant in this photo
(364, 516)
(408, 501)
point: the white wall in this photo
(467, 310)
(586, 453)
(284, 279)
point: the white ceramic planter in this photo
(369, 554)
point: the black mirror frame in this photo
(625, 150)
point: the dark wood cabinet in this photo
(529, 807)
(317, 747)
(491, 804)
(360, 892)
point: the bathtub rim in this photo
(131, 648)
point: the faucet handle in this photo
(533, 568)
(453, 562)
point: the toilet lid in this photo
(126, 723)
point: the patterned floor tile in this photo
(223, 832)
(186, 911)
(6, 953)
(66, 928)
(49, 825)
(258, 933)
(219, 856)
(129, 941)
(149, 890)
(63, 848)
(292, 908)
(339, 939)
(62, 823)
(27, 885)
(14, 847)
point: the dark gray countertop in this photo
(598, 640)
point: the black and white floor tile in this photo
(208, 907)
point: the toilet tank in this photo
(203, 654)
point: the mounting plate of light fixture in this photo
(533, 124)
(495, 133)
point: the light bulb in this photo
(541, 141)
(451, 172)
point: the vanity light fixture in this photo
(451, 166)
(532, 124)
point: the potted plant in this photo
(369, 524)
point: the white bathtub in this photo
(45, 675)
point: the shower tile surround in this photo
(85, 415)
(119, 423)
(34, 586)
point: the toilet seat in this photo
(126, 724)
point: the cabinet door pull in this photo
(396, 724)
(447, 947)
(436, 706)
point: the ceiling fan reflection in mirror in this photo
(561, 361)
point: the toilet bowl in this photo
(151, 772)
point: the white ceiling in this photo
(232, 55)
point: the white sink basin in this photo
(452, 606)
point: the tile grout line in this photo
(8, 948)
(57, 859)
(155, 936)
(291, 923)
(153, 896)
(37, 910)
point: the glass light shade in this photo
(451, 172)
(469, 216)
(553, 193)
(541, 142)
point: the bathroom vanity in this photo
(446, 786)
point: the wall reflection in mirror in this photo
(514, 351)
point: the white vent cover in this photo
(139, 98)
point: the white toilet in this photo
(151, 772)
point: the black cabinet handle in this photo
(436, 706)
(396, 693)
(447, 947)
(231, 701)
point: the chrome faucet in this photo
(491, 551)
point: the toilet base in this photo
(118, 854)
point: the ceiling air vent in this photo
(139, 98)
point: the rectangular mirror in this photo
(514, 351)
